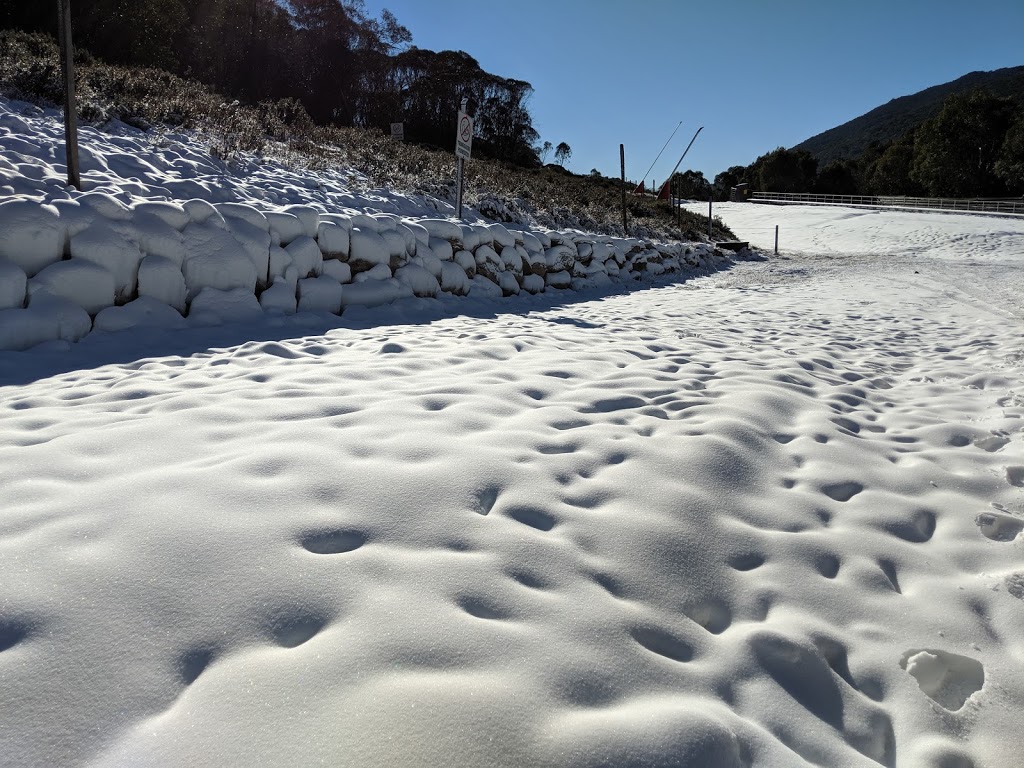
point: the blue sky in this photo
(757, 74)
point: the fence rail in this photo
(980, 205)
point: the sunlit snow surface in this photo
(766, 518)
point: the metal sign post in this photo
(398, 131)
(463, 148)
(67, 52)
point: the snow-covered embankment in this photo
(92, 263)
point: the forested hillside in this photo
(972, 147)
(345, 67)
(895, 119)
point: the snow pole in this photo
(622, 163)
(662, 150)
(67, 52)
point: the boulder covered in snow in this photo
(429, 262)
(280, 297)
(482, 287)
(418, 279)
(155, 237)
(514, 257)
(319, 294)
(441, 248)
(398, 254)
(309, 217)
(47, 318)
(144, 312)
(419, 232)
(466, 261)
(502, 237)
(31, 235)
(488, 263)
(22, 329)
(333, 240)
(280, 262)
(104, 247)
(212, 306)
(373, 293)
(107, 206)
(71, 322)
(161, 280)
(367, 249)
(306, 256)
(560, 279)
(560, 258)
(13, 285)
(81, 282)
(531, 242)
(339, 270)
(533, 284)
(255, 243)
(243, 212)
(172, 214)
(202, 212)
(454, 279)
(442, 228)
(286, 226)
(216, 260)
(508, 283)
(378, 272)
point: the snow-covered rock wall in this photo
(92, 262)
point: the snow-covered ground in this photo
(766, 517)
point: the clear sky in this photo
(757, 74)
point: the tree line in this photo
(974, 147)
(329, 58)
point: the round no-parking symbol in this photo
(464, 137)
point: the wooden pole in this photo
(711, 197)
(776, 239)
(679, 215)
(67, 52)
(622, 163)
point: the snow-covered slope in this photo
(767, 517)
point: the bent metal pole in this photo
(671, 136)
(684, 152)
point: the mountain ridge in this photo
(892, 120)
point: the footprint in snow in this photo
(948, 679)
(999, 527)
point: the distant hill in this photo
(890, 121)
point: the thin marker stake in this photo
(67, 51)
(622, 162)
